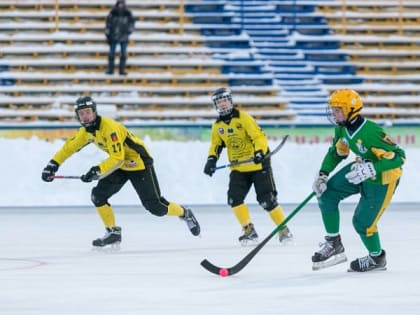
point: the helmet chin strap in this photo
(92, 126)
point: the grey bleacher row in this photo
(221, 28)
(137, 101)
(186, 91)
(101, 50)
(235, 41)
(161, 78)
(143, 27)
(137, 107)
(94, 4)
(138, 38)
(385, 82)
(364, 89)
(193, 65)
(141, 102)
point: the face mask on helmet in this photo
(222, 100)
(88, 120)
(350, 103)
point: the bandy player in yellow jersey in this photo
(128, 160)
(243, 138)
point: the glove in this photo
(320, 184)
(108, 39)
(49, 171)
(210, 166)
(361, 172)
(92, 174)
(258, 157)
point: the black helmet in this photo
(85, 102)
(223, 94)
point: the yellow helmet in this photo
(348, 100)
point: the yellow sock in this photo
(277, 215)
(107, 215)
(242, 214)
(175, 209)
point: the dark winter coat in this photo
(119, 24)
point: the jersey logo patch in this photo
(360, 147)
(130, 164)
(221, 131)
(230, 131)
(114, 137)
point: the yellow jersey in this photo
(242, 137)
(125, 151)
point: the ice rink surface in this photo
(47, 265)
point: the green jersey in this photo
(368, 142)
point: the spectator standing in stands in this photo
(240, 134)
(119, 25)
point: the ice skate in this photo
(191, 221)
(330, 254)
(285, 236)
(111, 239)
(250, 236)
(369, 263)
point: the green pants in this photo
(374, 199)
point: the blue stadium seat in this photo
(298, 65)
(7, 81)
(4, 67)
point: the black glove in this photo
(210, 166)
(258, 157)
(108, 39)
(92, 174)
(49, 171)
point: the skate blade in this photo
(372, 270)
(111, 248)
(194, 229)
(332, 261)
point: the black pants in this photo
(144, 182)
(263, 181)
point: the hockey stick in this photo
(250, 160)
(244, 261)
(64, 177)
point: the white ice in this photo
(47, 266)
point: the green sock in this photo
(331, 221)
(372, 243)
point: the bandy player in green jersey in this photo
(374, 175)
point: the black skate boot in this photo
(191, 221)
(250, 235)
(369, 263)
(111, 237)
(285, 236)
(330, 254)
